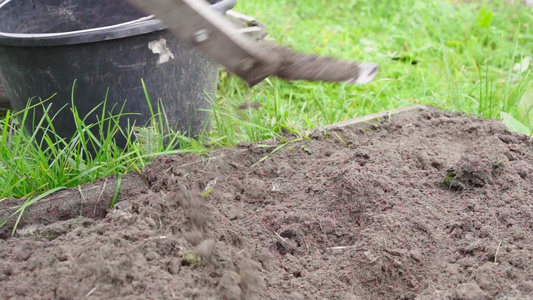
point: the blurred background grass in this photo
(470, 56)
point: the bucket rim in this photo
(138, 26)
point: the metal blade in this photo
(301, 66)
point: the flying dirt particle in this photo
(194, 237)
(251, 281)
(286, 246)
(247, 105)
(205, 249)
(229, 286)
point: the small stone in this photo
(416, 256)
(327, 226)
(285, 246)
(370, 257)
(60, 254)
(469, 291)
(457, 232)
(264, 256)
(471, 247)
(485, 231)
(174, 267)
(289, 233)
(296, 296)
(151, 256)
(465, 262)
(8, 271)
(21, 290)
(64, 271)
(471, 204)
(478, 225)
(33, 263)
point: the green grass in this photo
(36, 162)
(456, 56)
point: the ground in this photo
(434, 205)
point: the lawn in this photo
(456, 55)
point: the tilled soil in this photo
(432, 206)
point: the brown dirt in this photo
(434, 206)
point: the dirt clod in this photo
(432, 206)
(469, 291)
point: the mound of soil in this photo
(433, 205)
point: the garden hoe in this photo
(198, 24)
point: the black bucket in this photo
(105, 47)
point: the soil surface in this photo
(433, 206)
